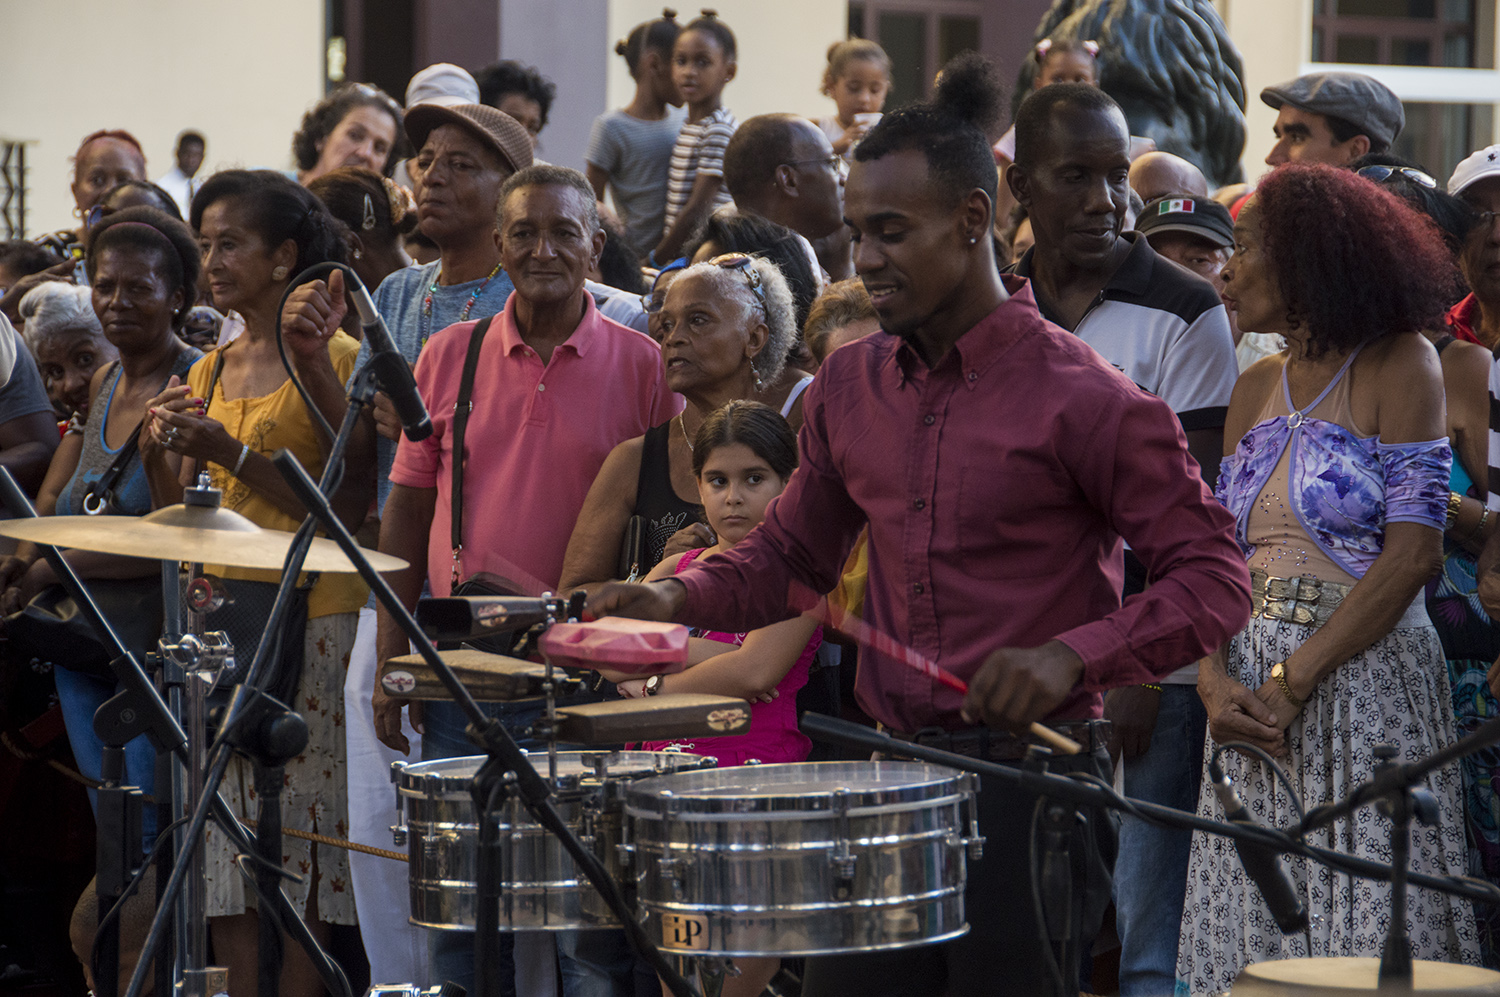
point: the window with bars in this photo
(919, 37)
(1395, 32)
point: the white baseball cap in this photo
(1480, 166)
(443, 84)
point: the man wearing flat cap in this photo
(1332, 118)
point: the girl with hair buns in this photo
(378, 215)
(630, 149)
(258, 230)
(858, 79)
(703, 63)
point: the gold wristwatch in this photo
(1278, 672)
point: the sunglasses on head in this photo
(745, 264)
(1380, 174)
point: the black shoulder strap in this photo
(1443, 343)
(461, 408)
(101, 492)
(208, 396)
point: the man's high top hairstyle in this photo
(1034, 119)
(948, 130)
(547, 175)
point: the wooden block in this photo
(490, 678)
(655, 718)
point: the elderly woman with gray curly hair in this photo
(65, 337)
(727, 326)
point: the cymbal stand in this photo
(1401, 804)
(140, 709)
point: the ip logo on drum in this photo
(681, 931)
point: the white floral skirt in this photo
(1394, 692)
(316, 793)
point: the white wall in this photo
(783, 47)
(568, 41)
(240, 72)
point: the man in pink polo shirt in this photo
(557, 387)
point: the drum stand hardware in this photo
(507, 769)
(139, 708)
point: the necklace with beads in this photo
(463, 315)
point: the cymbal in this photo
(1335, 976)
(200, 534)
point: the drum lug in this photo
(842, 862)
(671, 869)
(398, 835)
(975, 840)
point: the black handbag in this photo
(633, 551)
(52, 627)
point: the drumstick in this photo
(867, 636)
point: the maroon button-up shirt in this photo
(996, 487)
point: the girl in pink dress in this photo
(743, 456)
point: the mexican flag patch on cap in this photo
(1175, 205)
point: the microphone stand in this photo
(140, 709)
(507, 770)
(1083, 793)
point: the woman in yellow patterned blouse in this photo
(257, 229)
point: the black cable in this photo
(1281, 777)
(1053, 969)
(130, 889)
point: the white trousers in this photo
(396, 949)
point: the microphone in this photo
(1262, 864)
(392, 372)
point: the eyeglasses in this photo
(1380, 174)
(745, 264)
(835, 162)
(651, 302)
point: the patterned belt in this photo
(1305, 600)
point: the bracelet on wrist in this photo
(239, 464)
(1455, 503)
(1479, 527)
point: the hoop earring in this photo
(279, 273)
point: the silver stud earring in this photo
(279, 273)
(357, 254)
(972, 240)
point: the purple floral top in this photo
(1345, 488)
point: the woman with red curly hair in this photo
(1339, 483)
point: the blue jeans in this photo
(80, 696)
(593, 963)
(1151, 872)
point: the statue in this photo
(1171, 66)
